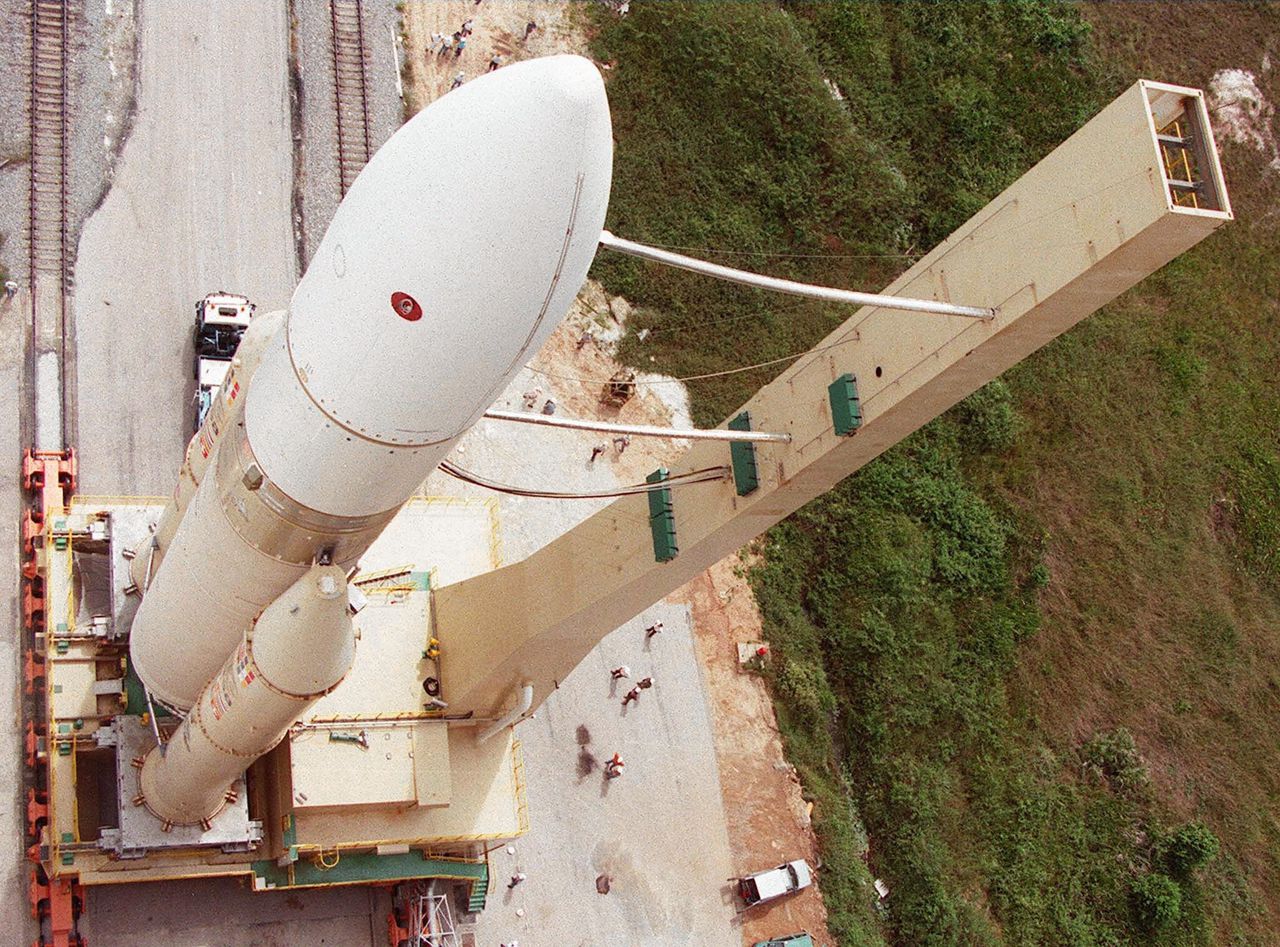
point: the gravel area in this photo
(316, 192)
(101, 90)
(15, 142)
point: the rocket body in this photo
(455, 254)
(299, 649)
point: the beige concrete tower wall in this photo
(1089, 221)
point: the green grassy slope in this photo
(1030, 654)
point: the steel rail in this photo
(350, 89)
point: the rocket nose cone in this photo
(456, 252)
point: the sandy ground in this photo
(530, 456)
(764, 814)
(768, 817)
(499, 29)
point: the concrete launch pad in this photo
(376, 783)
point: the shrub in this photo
(988, 421)
(805, 688)
(1188, 848)
(1157, 902)
(1039, 576)
(1114, 756)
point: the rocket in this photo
(299, 649)
(452, 258)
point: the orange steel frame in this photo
(56, 903)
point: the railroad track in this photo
(350, 89)
(50, 35)
(49, 238)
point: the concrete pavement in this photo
(201, 201)
(225, 913)
(658, 830)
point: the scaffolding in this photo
(428, 916)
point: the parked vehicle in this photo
(221, 319)
(774, 883)
(802, 939)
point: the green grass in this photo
(1023, 651)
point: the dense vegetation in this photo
(1028, 656)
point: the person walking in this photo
(457, 81)
(585, 339)
(494, 62)
(654, 629)
(446, 43)
(459, 45)
(549, 407)
(434, 46)
(529, 30)
(620, 673)
(621, 443)
(645, 683)
(531, 398)
(633, 694)
(467, 25)
(613, 768)
(597, 451)
(518, 877)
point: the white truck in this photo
(221, 319)
(774, 883)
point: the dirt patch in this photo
(498, 28)
(767, 815)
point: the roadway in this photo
(201, 201)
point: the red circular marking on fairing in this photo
(406, 307)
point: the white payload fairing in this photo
(454, 255)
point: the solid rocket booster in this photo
(226, 412)
(299, 649)
(454, 255)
